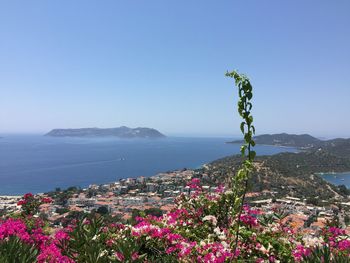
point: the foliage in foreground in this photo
(197, 230)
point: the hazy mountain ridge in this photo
(120, 132)
(302, 141)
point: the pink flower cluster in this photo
(300, 252)
(249, 216)
(47, 246)
(337, 240)
(194, 184)
(14, 227)
(30, 204)
(181, 246)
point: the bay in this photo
(337, 178)
(35, 163)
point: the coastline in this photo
(274, 145)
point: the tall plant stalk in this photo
(240, 180)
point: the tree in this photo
(102, 210)
(343, 190)
(154, 211)
(313, 201)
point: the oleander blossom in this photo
(46, 200)
(52, 254)
(14, 227)
(300, 252)
(62, 235)
(30, 204)
(194, 184)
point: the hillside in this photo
(284, 139)
(339, 147)
(121, 132)
(286, 173)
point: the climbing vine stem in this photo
(240, 180)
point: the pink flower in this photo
(220, 189)
(21, 202)
(86, 222)
(135, 256)
(300, 252)
(14, 227)
(336, 231)
(344, 245)
(249, 220)
(109, 242)
(28, 195)
(46, 200)
(52, 254)
(194, 184)
(272, 259)
(119, 256)
(61, 235)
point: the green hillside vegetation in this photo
(293, 174)
(339, 147)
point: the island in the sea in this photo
(120, 132)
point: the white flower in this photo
(263, 249)
(225, 245)
(104, 252)
(210, 218)
(217, 231)
(313, 241)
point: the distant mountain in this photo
(121, 132)
(284, 139)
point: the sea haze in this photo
(32, 163)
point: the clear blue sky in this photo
(161, 64)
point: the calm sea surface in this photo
(338, 178)
(33, 163)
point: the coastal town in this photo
(156, 195)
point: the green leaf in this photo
(249, 95)
(241, 174)
(240, 105)
(243, 149)
(253, 129)
(248, 137)
(242, 127)
(249, 106)
(250, 120)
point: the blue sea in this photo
(35, 163)
(338, 178)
